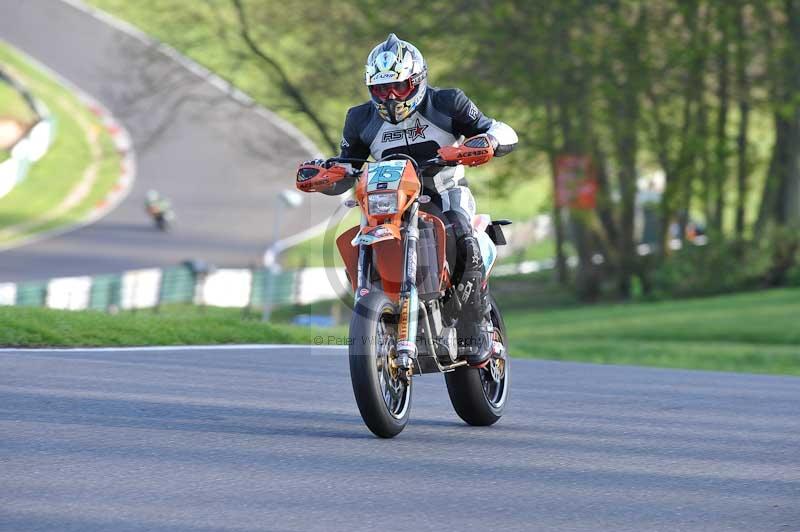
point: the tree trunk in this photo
(770, 208)
(721, 166)
(790, 209)
(742, 167)
(743, 90)
(558, 226)
(781, 199)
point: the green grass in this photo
(36, 327)
(52, 178)
(752, 332)
(755, 332)
(539, 251)
(13, 105)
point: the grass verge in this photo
(52, 178)
(13, 106)
(754, 332)
(37, 327)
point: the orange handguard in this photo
(474, 151)
(313, 178)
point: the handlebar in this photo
(436, 161)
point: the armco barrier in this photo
(150, 288)
(105, 292)
(246, 288)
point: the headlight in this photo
(385, 203)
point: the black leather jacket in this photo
(442, 118)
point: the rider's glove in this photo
(473, 152)
(317, 175)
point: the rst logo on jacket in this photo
(412, 133)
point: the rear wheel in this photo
(161, 222)
(479, 395)
(382, 396)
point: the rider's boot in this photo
(475, 331)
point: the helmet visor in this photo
(400, 90)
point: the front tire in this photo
(479, 395)
(383, 399)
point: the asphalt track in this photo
(222, 162)
(270, 439)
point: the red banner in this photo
(576, 182)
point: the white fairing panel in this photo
(488, 250)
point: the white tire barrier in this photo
(69, 293)
(8, 294)
(226, 288)
(141, 288)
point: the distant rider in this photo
(159, 208)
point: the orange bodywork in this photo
(407, 191)
(389, 257)
(388, 254)
(349, 254)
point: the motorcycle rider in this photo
(157, 205)
(406, 116)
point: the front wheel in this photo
(382, 396)
(479, 395)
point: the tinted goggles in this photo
(399, 89)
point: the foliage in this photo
(704, 92)
(706, 270)
(728, 266)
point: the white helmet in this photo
(397, 78)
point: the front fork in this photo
(409, 304)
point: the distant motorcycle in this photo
(160, 210)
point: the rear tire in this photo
(477, 397)
(161, 222)
(384, 401)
